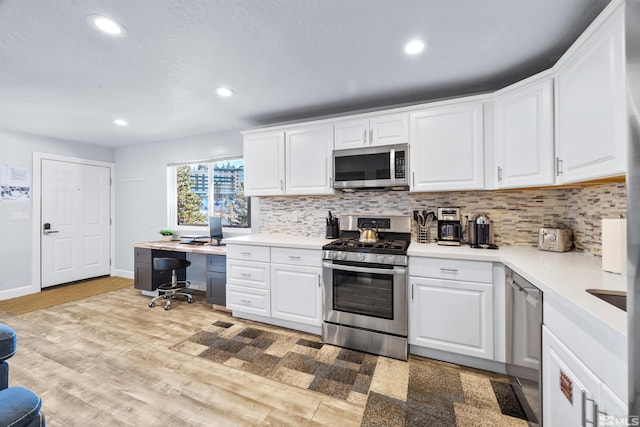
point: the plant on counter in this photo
(167, 233)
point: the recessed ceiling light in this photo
(121, 122)
(106, 25)
(415, 46)
(224, 91)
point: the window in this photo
(198, 190)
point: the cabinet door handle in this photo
(319, 280)
(282, 184)
(583, 410)
(295, 258)
(412, 286)
(245, 253)
(449, 270)
(413, 179)
(499, 174)
(364, 137)
(370, 136)
(246, 301)
(558, 166)
(245, 274)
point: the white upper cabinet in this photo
(447, 148)
(308, 160)
(264, 164)
(524, 135)
(590, 103)
(291, 161)
(385, 129)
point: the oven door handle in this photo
(395, 270)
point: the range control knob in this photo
(342, 255)
(361, 257)
(392, 258)
(381, 259)
(331, 255)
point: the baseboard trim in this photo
(458, 359)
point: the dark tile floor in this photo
(420, 392)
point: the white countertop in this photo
(277, 240)
(561, 276)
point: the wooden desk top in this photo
(183, 247)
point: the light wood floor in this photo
(105, 361)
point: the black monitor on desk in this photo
(215, 229)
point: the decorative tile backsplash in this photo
(517, 214)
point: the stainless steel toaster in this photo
(555, 239)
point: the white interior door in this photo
(75, 217)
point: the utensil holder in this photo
(423, 233)
(332, 232)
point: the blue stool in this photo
(19, 407)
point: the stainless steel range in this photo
(364, 297)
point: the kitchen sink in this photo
(615, 298)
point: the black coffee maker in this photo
(481, 232)
(449, 226)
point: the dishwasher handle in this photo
(531, 294)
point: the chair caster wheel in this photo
(167, 306)
(152, 304)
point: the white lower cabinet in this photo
(452, 316)
(296, 293)
(572, 394)
(248, 282)
(449, 314)
(248, 300)
(275, 285)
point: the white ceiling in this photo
(286, 60)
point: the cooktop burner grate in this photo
(355, 245)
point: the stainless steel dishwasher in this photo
(524, 342)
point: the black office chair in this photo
(168, 291)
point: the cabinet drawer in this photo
(248, 252)
(306, 257)
(249, 300)
(143, 255)
(217, 263)
(452, 269)
(248, 273)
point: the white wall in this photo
(141, 187)
(17, 149)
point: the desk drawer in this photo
(249, 300)
(451, 269)
(217, 263)
(248, 252)
(306, 257)
(142, 255)
(248, 273)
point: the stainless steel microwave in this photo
(383, 167)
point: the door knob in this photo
(46, 229)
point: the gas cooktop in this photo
(382, 246)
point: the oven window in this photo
(363, 167)
(363, 293)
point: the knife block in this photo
(332, 232)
